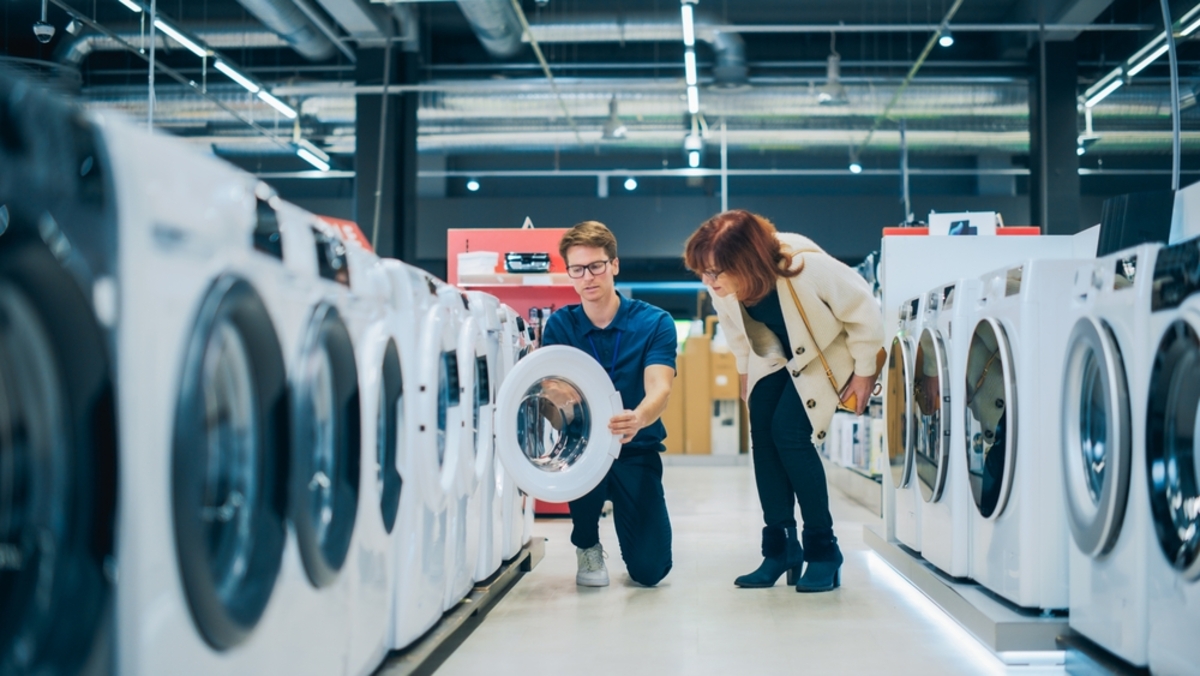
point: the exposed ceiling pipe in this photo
(285, 18)
(238, 36)
(496, 24)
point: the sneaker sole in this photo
(584, 583)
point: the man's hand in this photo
(627, 424)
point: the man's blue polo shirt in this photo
(640, 334)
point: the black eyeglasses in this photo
(597, 268)
(711, 274)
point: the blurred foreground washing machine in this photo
(901, 416)
(1012, 442)
(1171, 408)
(486, 310)
(1105, 380)
(940, 463)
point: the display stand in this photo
(524, 293)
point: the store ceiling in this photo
(968, 99)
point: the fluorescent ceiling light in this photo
(181, 38)
(307, 145)
(237, 77)
(1144, 63)
(312, 159)
(1191, 28)
(689, 27)
(693, 100)
(275, 103)
(131, 5)
(689, 64)
(1100, 95)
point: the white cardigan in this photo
(846, 320)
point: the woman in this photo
(753, 271)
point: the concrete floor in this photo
(697, 622)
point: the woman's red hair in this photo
(743, 245)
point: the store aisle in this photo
(697, 622)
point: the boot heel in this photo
(793, 574)
(837, 578)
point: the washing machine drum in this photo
(1096, 438)
(552, 416)
(931, 414)
(229, 463)
(990, 421)
(897, 411)
(1171, 434)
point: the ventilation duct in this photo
(496, 25)
(286, 20)
(238, 36)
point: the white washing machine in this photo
(512, 509)
(940, 467)
(420, 534)
(1171, 406)
(485, 308)
(203, 423)
(1105, 381)
(465, 510)
(905, 502)
(1012, 441)
(373, 326)
(58, 272)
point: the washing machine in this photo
(204, 423)
(486, 310)
(58, 282)
(1171, 405)
(419, 544)
(1011, 400)
(937, 392)
(1103, 451)
(512, 499)
(464, 510)
(524, 505)
(552, 416)
(374, 329)
(901, 416)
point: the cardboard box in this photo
(726, 428)
(697, 405)
(672, 418)
(725, 384)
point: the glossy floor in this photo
(697, 622)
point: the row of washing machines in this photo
(1042, 421)
(230, 442)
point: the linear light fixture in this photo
(312, 159)
(689, 25)
(181, 38)
(1142, 58)
(284, 109)
(237, 77)
(693, 100)
(1144, 63)
(1100, 95)
(689, 64)
(133, 6)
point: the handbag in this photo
(850, 406)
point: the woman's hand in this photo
(742, 381)
(860, 387)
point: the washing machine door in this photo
(390, 432)
(1171, 435)
(228, 463)
(326, 449)
(552, 416)
(990, 417)
(57, 467)
(1096, 438)
(931, 413)
(896, 411)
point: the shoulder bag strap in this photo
(804, 316)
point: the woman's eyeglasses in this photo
(597, 268)
(711, 274)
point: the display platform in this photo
(1085, 658)
(865, 490)
(1015, 635)
(427, 654)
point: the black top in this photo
(769, 312)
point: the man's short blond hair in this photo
(589, 233)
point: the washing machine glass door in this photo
(931, 408)
(390, 431)
(57, 465)
(1095, 436)
(228, 459)
(326, 446)
(990, 417)
(552, 418)
(896, 411)
(1171, 434)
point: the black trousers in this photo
(634, 484)
(787, 468)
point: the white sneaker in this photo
(592, 571)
